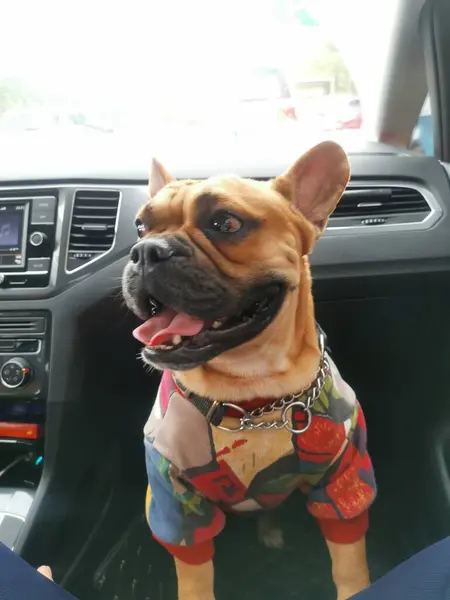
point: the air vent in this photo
(14, 324)
(93, 226)
(382, 205)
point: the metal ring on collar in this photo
(245, 417)
(302, 407)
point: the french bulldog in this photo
(250, 406)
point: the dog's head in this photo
(219, 261)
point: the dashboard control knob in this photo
(16, 373)
(37, 238)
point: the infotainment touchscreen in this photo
(13, 227)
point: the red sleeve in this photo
(195, 554)
(345, 532)
(341, 501)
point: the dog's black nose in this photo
(150, 252)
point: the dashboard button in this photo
(37, 238)
(43, 210)
(47, 203)
(43, 216)
(15, 373)
(30, 431)
(17, 282)
(38, 264)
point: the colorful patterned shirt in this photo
(197, 472)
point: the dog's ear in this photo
(315, 182)
(159, 177)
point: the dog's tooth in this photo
(176, 339)
(216, 325)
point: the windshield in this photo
(177, 73)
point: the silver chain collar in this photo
(303, 401)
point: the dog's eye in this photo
(141, 228)
(225, 223)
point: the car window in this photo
(422, 140)
(262, 85)
(272, 75)
(160, 73)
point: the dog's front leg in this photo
(350, 570)
(195, 582)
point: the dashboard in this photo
(64, 242)
(46, 210)
(66, 351)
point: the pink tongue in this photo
(159, 329)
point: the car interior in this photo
(75, 395)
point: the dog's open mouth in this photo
(183, 341)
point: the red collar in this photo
(204, 404)
(214, 411)
(248, 405)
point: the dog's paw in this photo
(269, 533)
